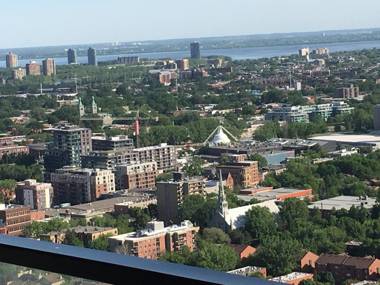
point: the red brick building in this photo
(154, 241)
(345, 267)
(14, 218)
(245, 174)
(308, 261)
(243, 250)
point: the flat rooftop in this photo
(348, 138)
(291, 276)
(344, 202)
(266, 195)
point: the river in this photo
(234, 53)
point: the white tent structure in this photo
(220, 137)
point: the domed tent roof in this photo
(220, 138)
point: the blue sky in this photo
(54, 22)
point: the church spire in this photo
(94, 107)
(81, 108)
(222, 202)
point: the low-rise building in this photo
(348, 92)
(345, 267)
(14, 218)
(88, 234)
(343, 203)
(156, 240)
(294, 278)
(307, 262)
(249, 271)
(279, 194)
(243, 250)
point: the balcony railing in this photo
(109, 267)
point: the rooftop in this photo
(292, 276)
(344, 202)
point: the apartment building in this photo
(170, 195)
(245, 174)
(156, 240)
(33, 194)
(78, 185)
(165, 155)
(111, 143)
(14, 218)
(136, 176)
(297, 114)
(348, 92)
(69, 143)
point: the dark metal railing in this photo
(109, 267)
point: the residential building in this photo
(243, 250)
(33, 69)
(71, 56)
(296, 114)
(308, 261)
(345, 267)
(183, 64)
(125, 207)
(14, 218)
(351, 92)
(13, 149)
(11, 60)
(128, 60)
(48, 67)
(304, 52)
(88, 234)
(245, 174)
(69, 143)
(33, 194)
(111, 143)
(91, 55)
(165, 155)
(170, 195)
(321, 51)
(76, 185)
(294, 278)
(195, 51)
(376, 117)
(156, 240)
(18, 73)
(136, 176)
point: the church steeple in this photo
(94, 107)
(81, 108)
(222, 202)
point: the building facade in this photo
(91, 55)
(195, 51)
(245, 174)
(156, 240)
(14, 218)
(136, 176)
(49, 67)
(71, 56)
(33, 69)
(35, 195)
(18, 74)
(77, 186)
(69, 143)
(11, 60)
(170, 195)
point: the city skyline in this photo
(243, 18)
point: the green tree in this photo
(215, 235)
(260, 223)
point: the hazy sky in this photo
(54, 22)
